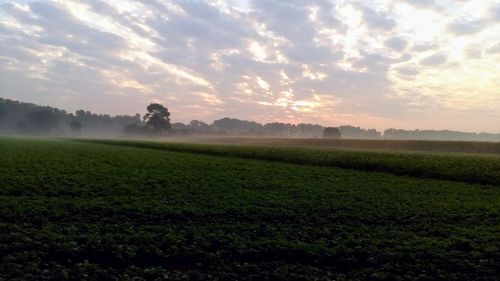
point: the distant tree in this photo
(157, 118)
(332, 133)
(42, 121)
(310, 130)
(3, 113)
(26, 118)
(21, 127)
(198, 126)
(280, 129)
(236, 126)
(350, 132)
(134, 129)
(76, 127)
(179, 126)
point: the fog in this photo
(19, 118)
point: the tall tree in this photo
(157, 118)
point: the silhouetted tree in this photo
(27, 118)
(331, 133)
(280, 129)
(199, 127)
(179, 126)
(236, 126)
(157, 118)
(76, 127)
(309, 130)
(351, 132)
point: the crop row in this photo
(84, 211)
(397, 145)
(454, 167)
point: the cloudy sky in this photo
(429, 64)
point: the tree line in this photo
(30, 119)
(22, 118)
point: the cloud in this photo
(421, 3)
(494, 49)
(284, 18)
(407, 71)
(293, 61)
(374, 62)
(396, 43)
(423, 47)
(434, 60)
(495, 12)
(464, 27)
(376, 20)
(474, 52)
(60, 28)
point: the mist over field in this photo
(249, 140)
(19, 118)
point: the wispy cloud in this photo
(370, 63)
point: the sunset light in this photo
(402, 63)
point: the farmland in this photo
(473, 168)
(366, 144)
(140, 210)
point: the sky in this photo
(426, 64)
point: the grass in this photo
(86, 211)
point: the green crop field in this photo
(367, 144)
(137, 210)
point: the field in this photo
(377, 145)
(472, 168)
(139, 210)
